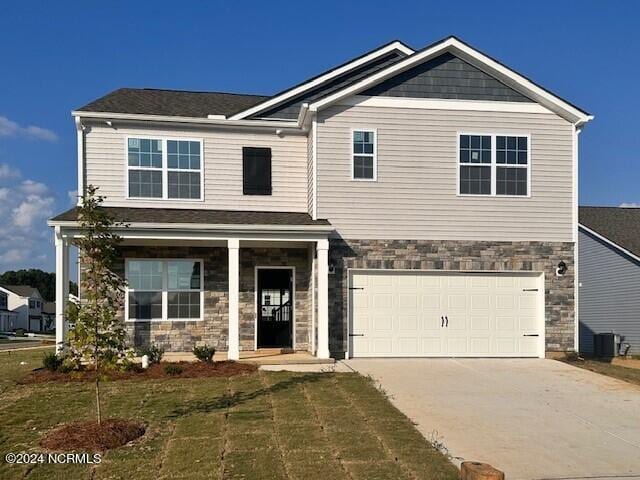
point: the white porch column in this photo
(322, 248)
(62, 286)
(233, 245)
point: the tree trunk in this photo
(98, 398)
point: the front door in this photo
(275, 307)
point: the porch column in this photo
(62, 286)
(233, 245)
(322, 247)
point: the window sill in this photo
(489, 195)
(159, 199)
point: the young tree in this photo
(98, 337)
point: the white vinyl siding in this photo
(106, 167)
(415, 196)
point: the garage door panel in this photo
(404, 314)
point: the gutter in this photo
(282, 125)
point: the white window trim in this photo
(493, 165)
(164, 169)
(165, 291)
(374, 155)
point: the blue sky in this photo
(56, 56)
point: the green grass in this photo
(631, 375)
(267, 425)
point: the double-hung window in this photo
(164, 168)
(164, 289)
(364, 162)
(496, 165)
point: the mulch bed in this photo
(155, 371)
(89, 436)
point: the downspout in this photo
(576, 283)
(80, 152)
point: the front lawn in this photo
(265, 425)
(631, 375)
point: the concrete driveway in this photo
(533, 418)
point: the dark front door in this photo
(275, 307)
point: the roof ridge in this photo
(194, 91)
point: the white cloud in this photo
(629, 205)
(33, 188)
(73, 196)
(9, 128)
(26, 241)
(31, 210)
(7, 172)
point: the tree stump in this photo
(479, 471)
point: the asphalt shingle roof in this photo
(617, 224)
(209, 217)
(148, 101)
(22, 290)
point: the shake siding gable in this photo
(222, 164)
(415, 196)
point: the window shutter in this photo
(256, 170)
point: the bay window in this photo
(164, 168)
(497, 165)
(164, 289)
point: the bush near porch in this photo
(264, 425)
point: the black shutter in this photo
(256, 171)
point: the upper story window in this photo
(3, 301)
(364, 161)
(164, 289)
(34, 304)
(256, 171)
(164, 168)
(494, 165)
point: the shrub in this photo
(154, 353)
(173, 369)
(204, 353)
(51, 361)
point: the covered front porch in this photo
(250, 290)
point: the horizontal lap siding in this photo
(415, 194)
(105, 168)
(609, 297)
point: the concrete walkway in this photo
(533, 419)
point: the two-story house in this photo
(26, 303)
(8, 318)
(404, 203)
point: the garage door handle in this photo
(529, 289)
(530, 335)
(356, 334)
(356, 288)
(442, 321)
(446, 324)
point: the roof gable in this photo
(618, 225)
(483, 62)
(446, 76)
(22, 290)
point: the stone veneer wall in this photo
(213, 330)
(457, 256)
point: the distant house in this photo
(49, 316)
(7, 317)
(27, 303)
(609, 275)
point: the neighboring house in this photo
(404, 203)
(8, 318)
(609, 275)
(49, 316)
(27, 303)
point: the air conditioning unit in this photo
(606, 344)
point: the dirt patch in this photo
(155, 371)
(89, 436)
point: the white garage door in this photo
(446, 315)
